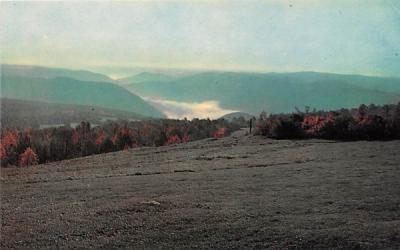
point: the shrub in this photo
(282, 127)
(287, 129)
(173, 140)
(364, 123)
(61, 143)
(28, 158)
(219, 133)
(339, 128)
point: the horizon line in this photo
(183, 70)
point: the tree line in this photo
(363, 123)
(36, 146)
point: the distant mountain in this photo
(231, 116)
(275, 92)
(146, 77)
(22, 114)
(387, 84)
(45, 72)
(70, 91)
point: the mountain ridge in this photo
(22, 114)
(146, 76)
(38, 71)
(65, 90)
(275, 92)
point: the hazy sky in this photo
(332, 36)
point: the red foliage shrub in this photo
(75, 137)
(221, 132)
(10, 139)
(28, 157)
(174, 139)
(101, 136)
(313, 124)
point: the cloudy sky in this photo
(361, 37)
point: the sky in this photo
(339, 36)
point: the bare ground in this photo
(236, 192)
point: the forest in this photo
(26, 147)
(35, 146)
(363, 123)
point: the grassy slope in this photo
(239, 192)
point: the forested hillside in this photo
(275, 92)
(63, 90)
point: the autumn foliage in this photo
(10, 139)
(28, 157)
(35, 146)
(365, 123)
(221, 132)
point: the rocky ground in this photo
(237, 192)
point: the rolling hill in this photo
(46, 72)
(71, 91)
(274, 92)
(146, 77)
(22, 114)
(237, 115)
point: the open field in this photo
(236, 192)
